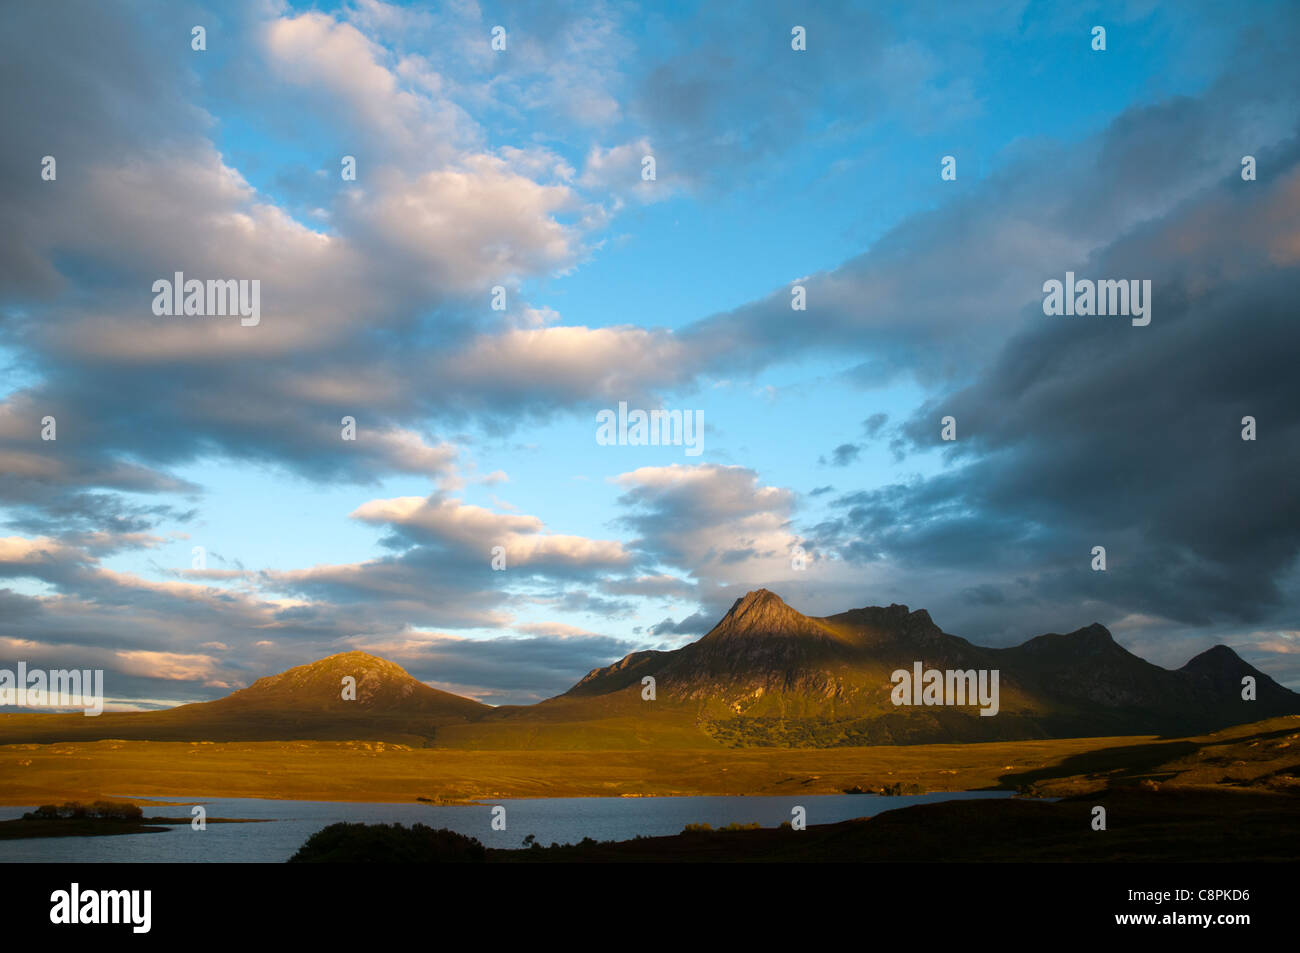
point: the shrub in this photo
(116, 811)
(75, 810)
(349, 843)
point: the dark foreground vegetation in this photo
(76, 811)
(355, 843)
(1143, 824)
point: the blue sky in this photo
(522, 168)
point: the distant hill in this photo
(764, 675)
(382, 688)
(302, 703)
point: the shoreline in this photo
(174, 800)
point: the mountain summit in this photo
(761, 611)
(317, 700)
(381, 686)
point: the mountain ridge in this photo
(770, 675)
(765, 674)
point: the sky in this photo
(200, 518)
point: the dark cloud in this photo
(1088, 431)
(696, 624)
(16, 607)
(872, 426)
(845, 454)
(935, 297)
(512, 671)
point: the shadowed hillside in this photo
(768, 675)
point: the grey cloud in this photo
(513, 671)
(695, 624)
(937, 295)
(1088, 431)
(872, 426)
(845, 454)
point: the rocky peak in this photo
(1218, 658)
(763, 614)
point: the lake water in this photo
(562, 820)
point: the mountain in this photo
(305, 702)
(764, 675)
(382, 687)
(767, 674)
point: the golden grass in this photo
(378, 771)
(1264, 755)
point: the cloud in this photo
(653, 585)
(844, 454)
(173, 666)
(872, 426)
(473, 529)
(695, 624)
(347, 72)
(504, 670)
(1088, 431)
(467, 227)
(716, 523)
(526, 372)
(620, 170)
(935, 297)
